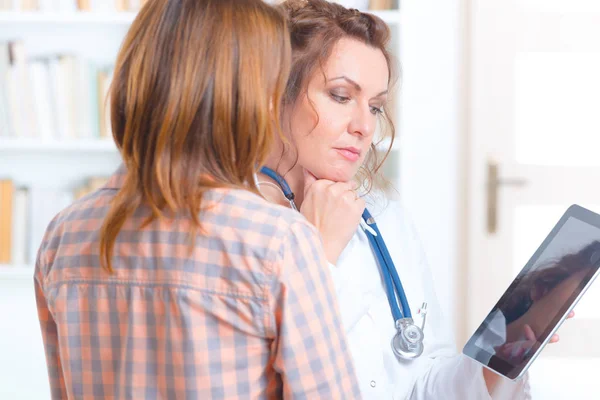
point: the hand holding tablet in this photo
(541, 297)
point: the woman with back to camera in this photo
(176, 280)
(340, 81)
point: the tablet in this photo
(539, 299)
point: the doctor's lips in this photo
(349, 153)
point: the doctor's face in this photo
(332, 123)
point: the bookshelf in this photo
(62, 164)
(49, 162)
(391, 17)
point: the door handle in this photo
(493, 183)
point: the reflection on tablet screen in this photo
(527, 313)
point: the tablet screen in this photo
(539, 297)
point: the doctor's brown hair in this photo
(315, 28)
(195, 86)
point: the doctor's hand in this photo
(515, 352)
(334, 209)
(518, 351)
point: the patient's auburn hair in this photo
(195, 86)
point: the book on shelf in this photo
(6, 214)
(61, 97)
(26, 212)
(71, 5)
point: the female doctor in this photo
(336, 94)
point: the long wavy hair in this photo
(195, 88)
(315, 28)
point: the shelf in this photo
(82, 145)
(117, 18)
(16, 272)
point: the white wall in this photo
(23, 374)
(431, 136)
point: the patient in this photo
(176, 280)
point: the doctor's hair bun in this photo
(364, 26)
(317, 25)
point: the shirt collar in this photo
(117, 179)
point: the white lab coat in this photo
(441, 372)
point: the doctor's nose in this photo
(363, 123)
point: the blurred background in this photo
(498, 132)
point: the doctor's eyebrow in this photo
(356, 85)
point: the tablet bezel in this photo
(515, 372)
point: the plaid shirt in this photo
(250, 313)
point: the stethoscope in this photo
(408, 341)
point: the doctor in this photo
(336, 95)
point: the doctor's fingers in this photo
(340, 189)
(332, 191)
(351, 197)
(529, 333)
(320, 186)
(555, 338)
(317, 191)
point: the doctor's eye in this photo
(376, 110)
(339, 99)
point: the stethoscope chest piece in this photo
(407, 343)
